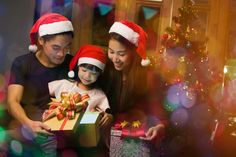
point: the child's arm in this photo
(54, 86)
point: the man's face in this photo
(55, 49)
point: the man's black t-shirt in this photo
(27, 71)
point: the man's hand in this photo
(38, 127)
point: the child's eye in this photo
(84, 69)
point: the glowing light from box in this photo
(16, 147)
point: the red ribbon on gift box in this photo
(66, 106)
(130, 129)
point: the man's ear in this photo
(40, 40)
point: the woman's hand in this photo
(106, 119)
(154, 132)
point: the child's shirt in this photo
(97, 101)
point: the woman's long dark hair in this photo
(123, 95)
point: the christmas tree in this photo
(187, 41)
(184, 66)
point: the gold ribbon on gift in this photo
(66, 106)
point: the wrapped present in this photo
(88, 131)
(125, 141)
(64, 113)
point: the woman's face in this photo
(55, 49)
(118, 54)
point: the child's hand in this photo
(106, 119)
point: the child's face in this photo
(87, 76)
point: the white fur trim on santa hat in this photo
(145, 62)
(71, 74)
(125, 31)
(55, 28)
(87, 60)
(33, 48)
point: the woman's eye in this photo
(111, 52)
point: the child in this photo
(91, 63)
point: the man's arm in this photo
(14, 95)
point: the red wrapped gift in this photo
(125, 141)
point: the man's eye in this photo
(56, 48)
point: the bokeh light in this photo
(188, 98)
(16, 147)
(170, 107)
(216, 93)
(202, 116)
(69, 152)
(2, 134)
(2, 111)
(2, 82)
(179, 117)
(2, 96)
(27, 133)
(1, 43)
(173, 94)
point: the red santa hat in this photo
(134, 34)
(48, 24)
(88, 54)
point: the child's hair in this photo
(91, 67)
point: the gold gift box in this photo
(65, 124)
(88, 130)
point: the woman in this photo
(128, 80)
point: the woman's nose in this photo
(115, 58)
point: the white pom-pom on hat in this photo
(33, 48)
(71, 74)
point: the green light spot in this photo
(16, 147)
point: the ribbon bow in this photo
(66, 106)
(131, 129)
